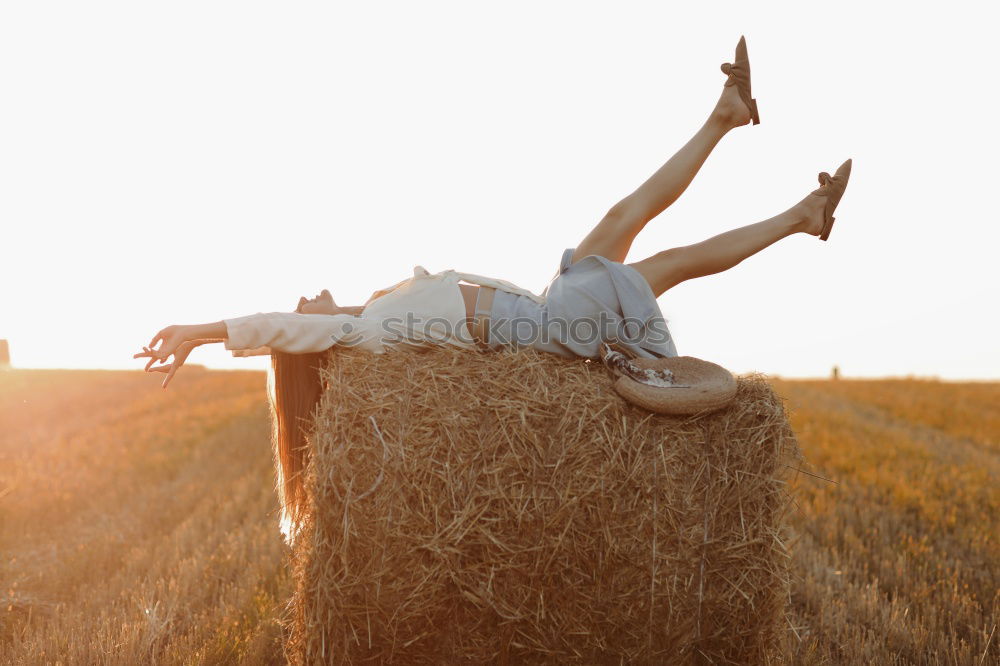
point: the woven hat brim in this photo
(711, 386)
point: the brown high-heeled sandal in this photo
(739, 76)
(832, 187)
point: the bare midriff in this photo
(469, 294)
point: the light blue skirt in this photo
(587, 303)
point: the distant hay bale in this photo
(511, 507)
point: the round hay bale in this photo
(703, 386)
(509, 507)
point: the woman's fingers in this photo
(170, 375)
(173, 342)
(151, 354)
(167, 347)
(151, 362)
(170, 370)
(146, 354)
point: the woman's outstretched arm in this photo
(289, 332)
(284, 331)
(181, 345)
(172, 337)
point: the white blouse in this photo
(424, 310)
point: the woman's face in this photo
(322, 303)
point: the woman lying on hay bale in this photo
(594, 299)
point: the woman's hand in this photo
(169, 339)
(180, 355)
(178, 341)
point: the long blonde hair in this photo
(294, 388)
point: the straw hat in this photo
(674, 385)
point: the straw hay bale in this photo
(510, 507)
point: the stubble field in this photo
(139, 525)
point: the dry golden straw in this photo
(511, 507)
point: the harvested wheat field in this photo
(898, 560)
(140, 526)
(136, 524)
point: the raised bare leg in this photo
(613, 235)
(719, 253)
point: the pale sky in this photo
(189, 161)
